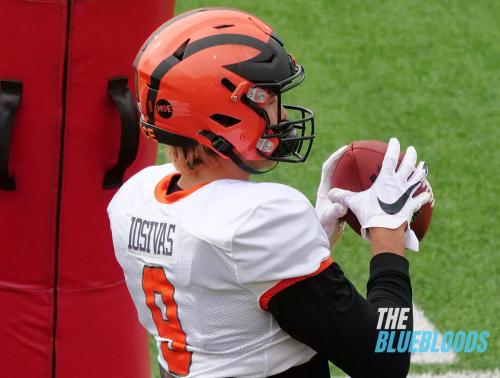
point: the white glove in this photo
(428, 188)
(329, 212)
(389, 202)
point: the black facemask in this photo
(295, 134)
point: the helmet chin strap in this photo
(227, 149)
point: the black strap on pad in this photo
(129, 144)
(10, 97)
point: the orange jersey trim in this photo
(266, 297)
(161, 190)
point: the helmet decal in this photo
(163, 108)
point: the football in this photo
(358, 168)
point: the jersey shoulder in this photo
(139, 187)
(235, 197)
(275, 235)
(260, 193)
(231, 206)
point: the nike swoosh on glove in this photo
(389, 202)
(328, 211)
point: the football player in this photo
(234, 278)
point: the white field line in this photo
(456, 374)
(421, 323)
(453, 374)
(460, 374)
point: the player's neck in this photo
(222, 170)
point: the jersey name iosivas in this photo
(202, 264)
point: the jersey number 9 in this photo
(156, 285)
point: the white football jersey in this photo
(202, 264)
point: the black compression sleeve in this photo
(327, 313)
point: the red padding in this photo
(98, 335)
(97, 331)
(26, 333)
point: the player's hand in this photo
(427, 186)
(329, 211)
(389, 202)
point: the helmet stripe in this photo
(154, 85)
(226, 39)
(196, 46)
(159, 30)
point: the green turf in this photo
(427, 72)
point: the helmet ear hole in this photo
(225, 120)
(228, 84)
(270, 59)
(224, 26)
(179, 53)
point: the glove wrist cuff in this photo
(385, 221)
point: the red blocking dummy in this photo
(68, 139)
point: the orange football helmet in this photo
(204, 77)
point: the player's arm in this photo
(327, 313)
(282, 253)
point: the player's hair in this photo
(190, 158)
